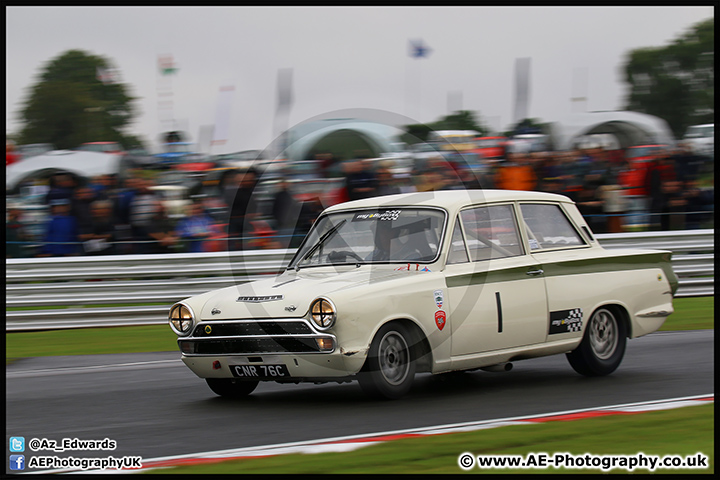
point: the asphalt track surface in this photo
(154, 406)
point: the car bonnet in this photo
(290, 294)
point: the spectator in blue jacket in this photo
(196, 228)
(62, 233)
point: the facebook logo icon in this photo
(17, 462)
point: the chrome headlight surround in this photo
(323, 313)
(181, 319)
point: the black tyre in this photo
(390, 367)
(232, 388)
(603, 344)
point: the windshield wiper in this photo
(324, 238)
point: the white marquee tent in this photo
(630, 128)
(80, 163)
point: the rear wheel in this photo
(603, 344)
(390, 367)
(232, 388)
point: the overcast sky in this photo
(343, 58)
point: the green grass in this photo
(683, 431)
(690, 314)
(90, 341)
(100, 305)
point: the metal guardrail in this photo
(45, 293)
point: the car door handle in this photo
(535, 273)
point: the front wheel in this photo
(390, 366)
(232, 388)
(603, 345)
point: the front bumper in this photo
(214, 348)
(301, 368)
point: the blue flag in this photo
(418, 49)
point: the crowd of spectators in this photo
(107, 216)
(103, 217)
(612, 192)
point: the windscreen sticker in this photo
(378, 216)
(565, 321)
(413, 267)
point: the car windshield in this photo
(637, 152)
(100, 147)
(700, 131)
(424, 147)
(384, 235)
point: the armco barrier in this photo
(75, 292)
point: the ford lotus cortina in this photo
(386, 287)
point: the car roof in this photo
(449, 199)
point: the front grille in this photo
(240, 329)
(240, 337)
(250, 345)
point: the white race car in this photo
(386, 287)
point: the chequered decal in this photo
(565, 321)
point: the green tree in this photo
(133, 142)
(460, 120)
(675, 82)
(76, 100)
(415, 133)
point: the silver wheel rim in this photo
(603, 334)
(394, 358)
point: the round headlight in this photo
(181, 319)
(323, 313)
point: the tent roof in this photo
(304, 137)
(80, 163)
(631, 128)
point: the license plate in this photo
(259, 371)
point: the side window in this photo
(491, 232)
(458, 251)
(548, 227)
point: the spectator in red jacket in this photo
(11, 156)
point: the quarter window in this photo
(491, 232)
(548, 227)
(458, 251)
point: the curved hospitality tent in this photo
(342, 137)
(78, 163)
(630, 128)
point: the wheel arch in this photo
(622, 313)
(420, 346)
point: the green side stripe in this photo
(494, 276)
(572, 267)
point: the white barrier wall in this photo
(141, 288)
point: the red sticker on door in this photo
(440, 319)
